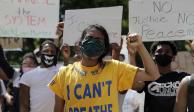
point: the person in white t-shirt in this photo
(35, 96)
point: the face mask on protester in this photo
(163, 59)
(26, 69)
(48, 60)
(92, 47)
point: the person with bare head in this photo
(35, 96)
(160, 94)
(92, 84)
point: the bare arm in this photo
(181, 98)
(137, 85)
(59, 104)
(131, 54)
(24, 98)
(150, 71)
(59, 33)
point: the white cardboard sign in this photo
(158, 20)
(29, 18)
(77, 20)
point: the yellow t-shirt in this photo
(93, 92)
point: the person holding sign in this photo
(93, 84)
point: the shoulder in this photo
(185, 80)
(31, 73)
(69, 66)
(112, 61)
(184, 73)
(176, 75)
(64, 70)
(116, 62)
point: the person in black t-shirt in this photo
(160, 94)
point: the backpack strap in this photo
(190, 100)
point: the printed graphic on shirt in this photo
(96, 108)
(93, 93)
(85, 91)
(88, 91)
(163, 89)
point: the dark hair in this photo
(31, 56)
(50, 43)
(169, 43)
(103, 31)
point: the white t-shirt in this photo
(131, 101)
(41, 97)
(16, 79)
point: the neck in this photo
(42, 65)
(164, 70)
(66, 62)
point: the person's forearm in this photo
(24, 104)
(132, 59)
(150, 67)
(24, 108)
(24, 98)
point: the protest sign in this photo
(158, 20)
(11, 44)
(77, 20)
(29, 18)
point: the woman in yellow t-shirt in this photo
(93, 84)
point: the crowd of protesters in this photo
(95, 78)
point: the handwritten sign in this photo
(158, 20)
(77, 20)
(28, 18)
(11, 44)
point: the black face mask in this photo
(163, 59)
(48, 60)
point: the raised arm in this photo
(59, 33)
(150, 70)
(131, 54)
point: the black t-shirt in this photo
(160, 94)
